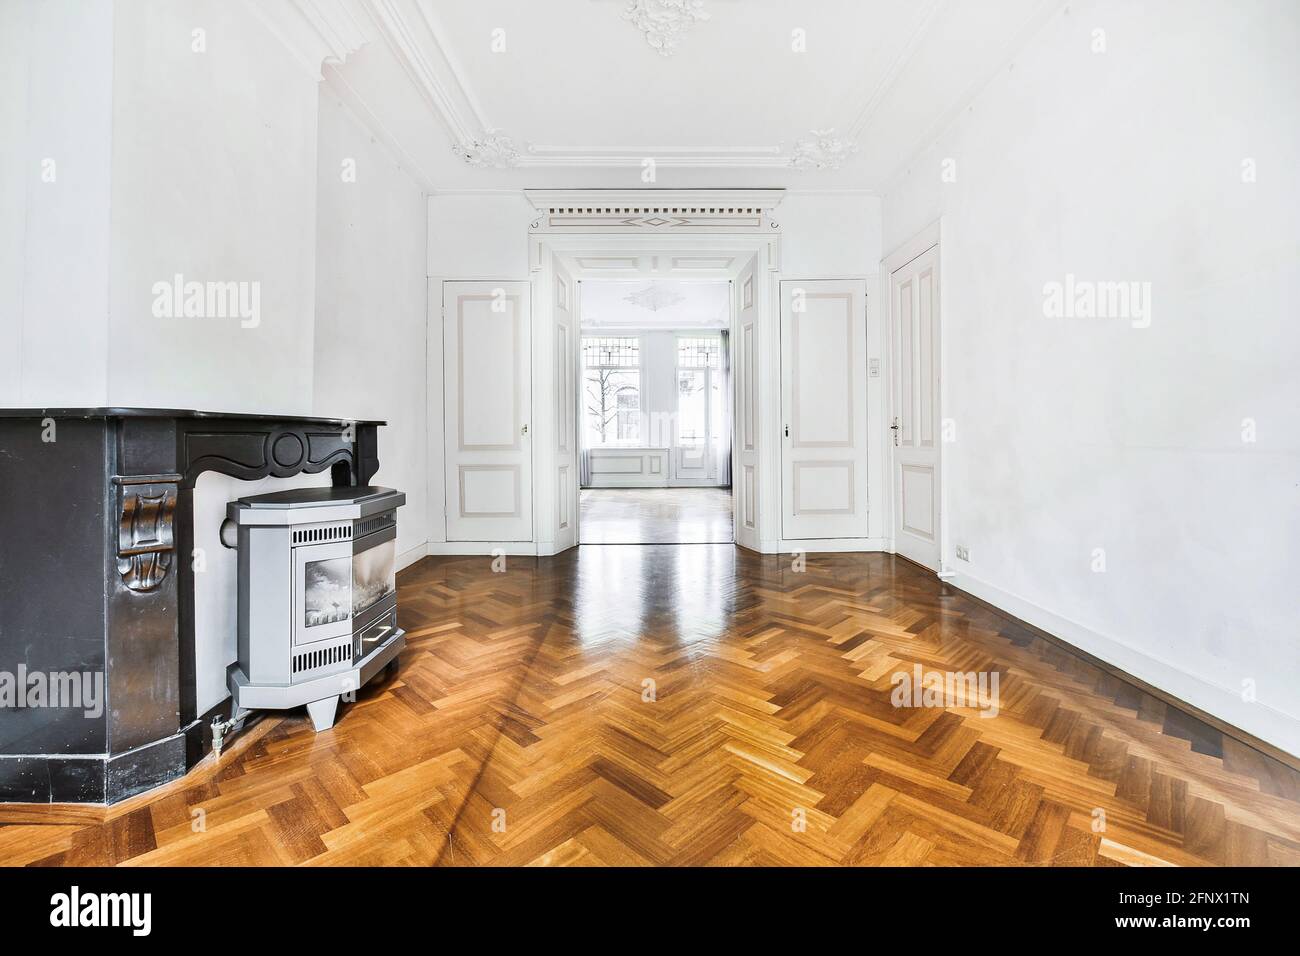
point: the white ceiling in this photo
(653, 304)
(488, 94)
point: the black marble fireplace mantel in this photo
(96, 578)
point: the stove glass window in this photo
(374, 574)
(328, 588)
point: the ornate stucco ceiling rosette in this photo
(824, 150)
(663, 22)
(655, 297)
(492, 149)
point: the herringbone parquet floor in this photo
(703, 705)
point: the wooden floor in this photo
(655, 516)
(703, 705)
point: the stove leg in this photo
(322, 712)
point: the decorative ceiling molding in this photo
(1016, 41)
(413, 32)
(653, 210)
(315, 32)
(607, 262)
(415, 39)
(698, 263)
(366, 116)
(824, 151)
(664, 22)
(927, 9)
(654, 297)
(694, 157)
(492, 149)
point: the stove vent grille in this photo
(323, 533)
(366, 525)
(322, 657)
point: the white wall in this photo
(1079, 434)
(829, 234)
(479, 235)
(56, 94)
(370, 307)
(214, 177)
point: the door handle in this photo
(787, 431)
(894, 428)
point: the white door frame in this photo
(928, 238)
(764, 250)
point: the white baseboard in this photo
(1258, 719)
(633, 481)
(411, 555)
(472, 548)
(828, 545)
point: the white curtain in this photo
(584, 455)
(724, 440)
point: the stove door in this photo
(322, 596)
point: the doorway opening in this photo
(655, 411)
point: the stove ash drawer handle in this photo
(383, 631)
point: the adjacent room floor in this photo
(656, 516)
(688, 705)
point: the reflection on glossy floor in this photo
(655, 516)
(703, 705)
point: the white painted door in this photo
(744, 440)
(824, 408)
(487, 402)
(914, 328)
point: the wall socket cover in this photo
(963, 552)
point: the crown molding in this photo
(695, 157)
(1036, 21)
(417, 42)
(315, 32)
(924, 21)
(412, 32)
(365, 117)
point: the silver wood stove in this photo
(317, 596)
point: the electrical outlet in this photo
(963, 552)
